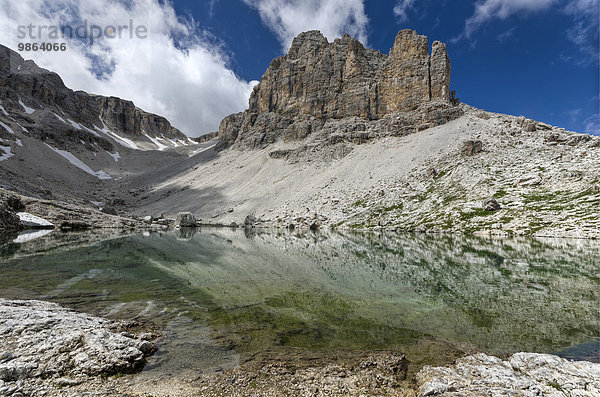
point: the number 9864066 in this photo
(42, 46)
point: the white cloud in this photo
(584, 17)
(288, 18)
(401, 9)
(591, 125)
(177, 71)
(487, 10)
(584, 30)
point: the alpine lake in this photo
(222, 297)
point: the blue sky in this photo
(537, 58)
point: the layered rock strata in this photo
(38, 100)
(318, 85)
(523, 374)
(41, 340)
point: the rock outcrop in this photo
(9, 205)
(123, 115)
(38, 101)
(185, 219)
(317, 84)
(523, 374)
(43, 340)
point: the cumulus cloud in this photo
(176, 70)
(402, 8)
(288, 18)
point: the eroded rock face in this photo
(122, 115)
(55, 106)
(42, 339)
(318, 82)
(9, 205)
(523, 374)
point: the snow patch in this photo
(195, 152)
(7, 128)
(80, 164)
(120, 140)
(89, 130)
(156, 142)
(104, 127)
(27, 109)
(3, 110)
(18, 142)
(123, 141)
(7, 153)
(116, 156)
(30, 220)
(60, 118)
(74, 124)
(79, 126)
(175, 143)
(23, 128)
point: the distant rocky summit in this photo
(36, 100)
(56, 143)
(318, 85)
(337, 135)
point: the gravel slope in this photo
(546, 181)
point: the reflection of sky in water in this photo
(325, 290)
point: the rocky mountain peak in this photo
(409, 45)
(307, 43)
(37, 100)
(319, 81)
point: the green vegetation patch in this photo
(500, 194)
(479, 212)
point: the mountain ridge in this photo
(314, 157)
(23, 80)
(318, 82)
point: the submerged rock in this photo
(523, 374)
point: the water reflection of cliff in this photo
(354, 290)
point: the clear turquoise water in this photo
(430, 296)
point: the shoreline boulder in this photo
(185, 219)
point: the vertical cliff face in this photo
(405, 82)
(328, 80)
(439, 72)
(122, 115)
(318, 81)
(45, 93)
